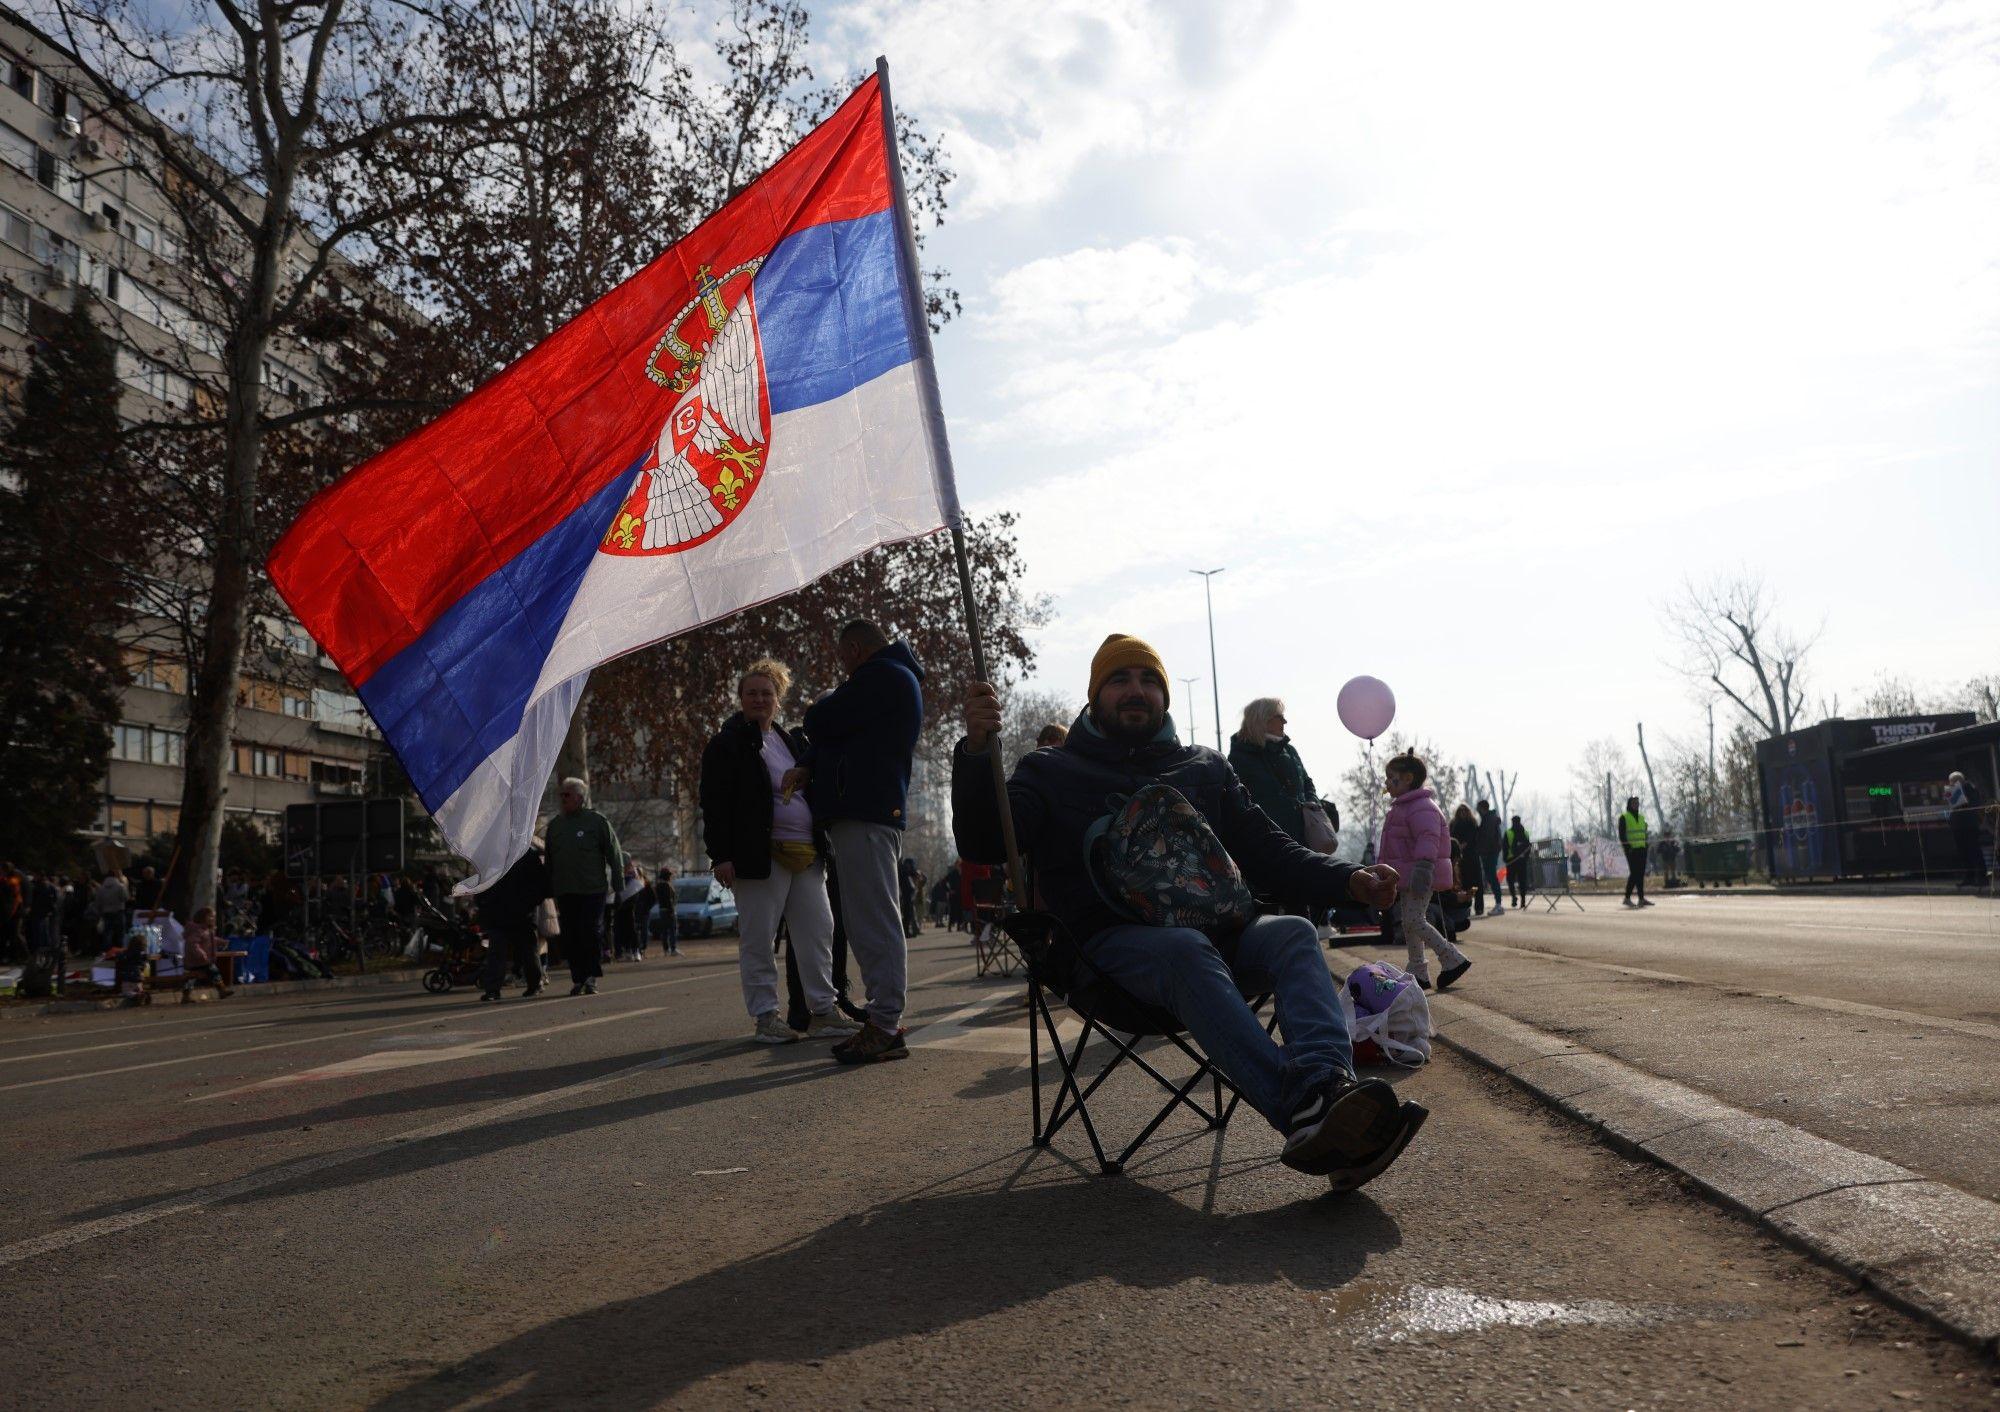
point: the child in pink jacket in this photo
(1416, 842)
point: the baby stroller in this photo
(460, 951)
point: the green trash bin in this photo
(1721, 861)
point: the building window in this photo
(147, 745)
(267, 762)
(20, 78)
(18, 150)
(128, 819)
(55, 252)
(299, 705)
(340, 711)
(14, 310)
(16, 229)
(157, 673)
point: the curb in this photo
(252, 992)
(1927, 1248)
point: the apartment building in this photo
(74, 213)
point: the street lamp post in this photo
(1189, 682)
(1207, 591)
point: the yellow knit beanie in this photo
(1122, 650)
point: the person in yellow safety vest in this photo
(1632, 834)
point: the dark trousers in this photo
(911, 924)
(582, 917)
(1635, 863)
(1965, 832)
(1520, 880)
(1489, 873)
(506, 948)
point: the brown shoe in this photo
(873, 1045)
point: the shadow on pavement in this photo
(484, 1139)
(948, 1259)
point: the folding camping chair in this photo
(991, 946)
(1057, 967)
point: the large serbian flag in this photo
(751, 410)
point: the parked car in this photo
(703, 906)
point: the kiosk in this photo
(1850, 799)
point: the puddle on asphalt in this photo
(1415, 1311)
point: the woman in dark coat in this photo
(763, 842)
(1270, 768)
(1265, 759)
(1465, 834)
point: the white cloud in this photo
(1089, 296)
(1418, 316)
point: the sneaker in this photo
(1345, 1122)
(872, 1045)
(1409, 1118)
(1647, 902)
(576, 989)
(590, 987)
(831, 1023)
(771, 1029)
(1452, 973)
(487, 997)
(531, 992)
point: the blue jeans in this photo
(1180, 970)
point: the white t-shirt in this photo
(793, 822)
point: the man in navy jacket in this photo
(857, 777)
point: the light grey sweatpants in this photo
(871, 907)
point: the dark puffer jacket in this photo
(1276, 778)
(1057, 793)
(736, 795)
(863, 734)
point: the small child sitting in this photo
(198, 952)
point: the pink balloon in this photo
(1367, 706)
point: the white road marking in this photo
(384, 1060)
(1973, 1028)
(954, 1032)
(1884, 931)
(129, 1043)
(291, 1171)
(480, 1012)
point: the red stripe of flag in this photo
(376, 557)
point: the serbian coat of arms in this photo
(710, 454)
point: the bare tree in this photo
(266, 128)
(1733, 645)
(1602, 759)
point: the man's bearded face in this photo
(1131, 705)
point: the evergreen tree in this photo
(64, 553)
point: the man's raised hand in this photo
(982, 714)
(1374, 885)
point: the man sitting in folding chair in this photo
(1334, 1124)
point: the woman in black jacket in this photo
(1465, 833)
(763, 843)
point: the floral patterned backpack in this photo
(1155, 859)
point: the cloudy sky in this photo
(1460, 334)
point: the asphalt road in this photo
(1871, 1021)
(405, 1201)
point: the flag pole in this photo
(920, 330)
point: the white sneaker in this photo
(832, 1023)
(772, 1030)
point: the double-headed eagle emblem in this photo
(711, 448)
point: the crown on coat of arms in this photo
(677, 356)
